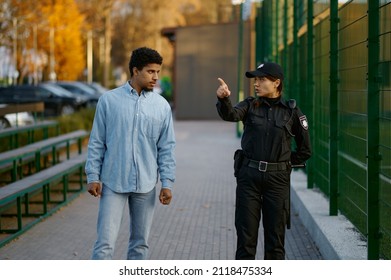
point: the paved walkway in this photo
(198, 225)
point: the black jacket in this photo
(269, 128)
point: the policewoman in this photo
(263, 164)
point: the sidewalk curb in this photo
(336, 237)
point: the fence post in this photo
(295, 69)
(268, 29)
(276, 30)
(333, 158)
(373, 155)
(285, 38)
(239, 125)
(310, 85)
(258, 36)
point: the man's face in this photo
(146, 79)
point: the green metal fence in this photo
(337, 57)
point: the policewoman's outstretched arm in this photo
(224, 106)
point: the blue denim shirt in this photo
(132, 141)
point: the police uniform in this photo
(263, 180)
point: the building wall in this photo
(202, 54)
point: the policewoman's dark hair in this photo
(141, 57)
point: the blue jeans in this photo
(111, 209)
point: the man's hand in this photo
(222, 90)
(165, 196)
(95, 189)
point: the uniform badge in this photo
(304, 122)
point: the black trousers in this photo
(265, 193)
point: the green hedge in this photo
(79, 120)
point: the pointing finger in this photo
(223, 90)
(222, 83)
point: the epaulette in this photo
(292, 103)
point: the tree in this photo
(66, 45)
(44, 36)
(15, 30)
(98, 14)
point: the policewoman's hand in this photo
(165, 196)
(222, 90)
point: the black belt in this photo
(265, 166)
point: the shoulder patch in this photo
(304, 122)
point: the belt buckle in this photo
(262, 166)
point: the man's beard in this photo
(147, 89)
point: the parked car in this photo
(15, 119)
(80, 88)
(97, 87)
(56, 103)
(83, 100)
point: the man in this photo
(131, 143)
(263, 166)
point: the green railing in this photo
(337, 61)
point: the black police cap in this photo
(267, 69)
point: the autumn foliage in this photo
(66, 20)
(49, 37)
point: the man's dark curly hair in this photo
(143, 56)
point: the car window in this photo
(78, 88)
(57, 90)
(42, 92)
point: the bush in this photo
(79, 120)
